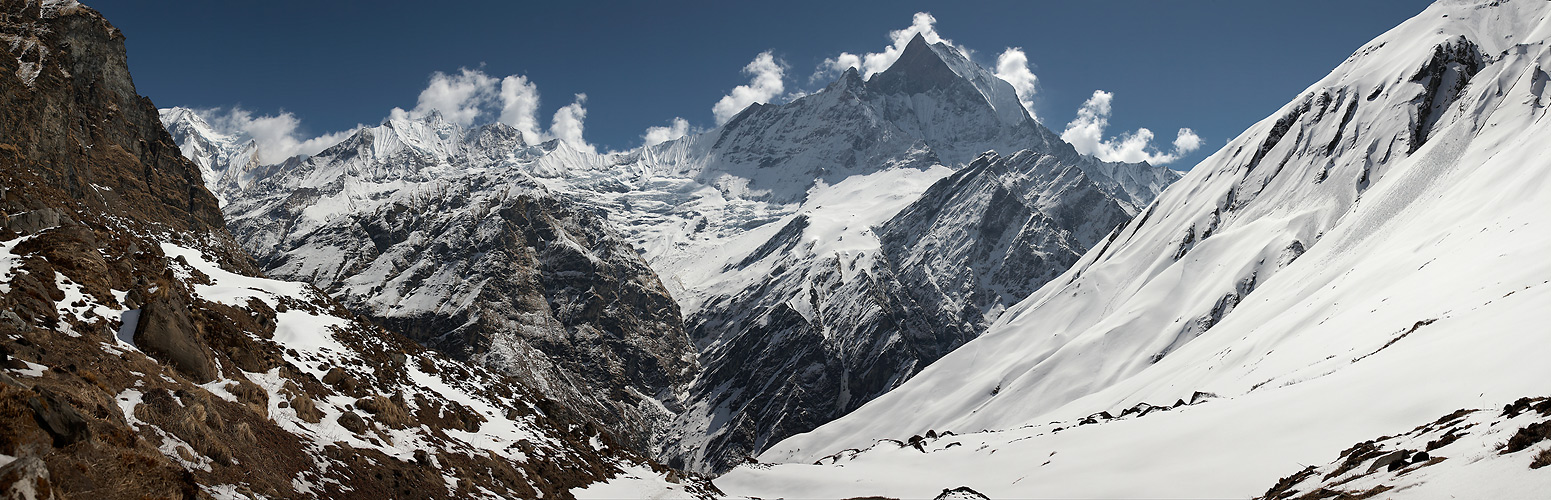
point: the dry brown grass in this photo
(1542, 459)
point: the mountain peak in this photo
(918, 69)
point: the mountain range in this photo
(804, 285)
(898, 286)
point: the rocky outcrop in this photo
(164, 331)
(69, 111)
(1424, 460)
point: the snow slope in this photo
(1365, 259)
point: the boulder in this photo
(27, 478)
(168, 334)
(58, 418)
(1389, 460)
(352, 422)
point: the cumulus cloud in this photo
(870, 63)
(461, 98)
(520, 107)
(277, 136)
(471, 97)
(676, 129)
(568, 123)
(1086, 134)
(765, 82)
(1013, 67)
(1187, 141)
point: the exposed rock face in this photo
(997, 230)
(58, 418)
(165, 331)
(70, 113)
(144, 358)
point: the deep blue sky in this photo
(1216, 67)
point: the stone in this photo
(167, 333)
(1387, 459)
(352, 422)
(27, 478)
(57, 417)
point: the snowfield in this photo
(1369, 258)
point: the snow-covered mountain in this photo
(1364, 260)
(777, 232)
(223, 160)
(821, 251)
(431, 229)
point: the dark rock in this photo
(352, 422)
(167, 333)
(33, 221)
(12, 320)
(57, 417)
(1385, 460)
(960, 493)
(334, 376)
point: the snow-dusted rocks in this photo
(1364, 260)
(225, 162)
(432, 230)
(1490, 452)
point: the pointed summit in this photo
(850, 79)
(918, 69)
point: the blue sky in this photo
(1214, 67)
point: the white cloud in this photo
(460, 98)
(677, 128)
(277, 136)
(471, 97)
(1013, 67)
(568, 122)
(1086, 134)
(1187, 140)
(765, 83)
(520, 107)
(868, 64)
